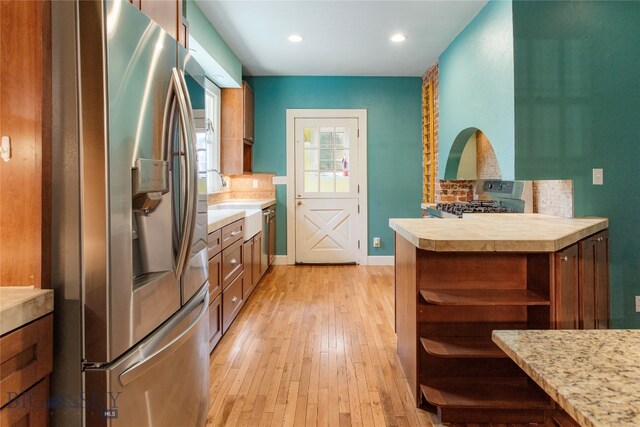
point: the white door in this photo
(326, 190)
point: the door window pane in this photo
(342, 138)
(326, 182)
(311, 160)
(326, 137)
(310, 183)
(326, 160)
(309, 138)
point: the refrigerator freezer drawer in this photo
(162, 382)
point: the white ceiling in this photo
(341, 37)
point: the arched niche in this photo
(472, 157)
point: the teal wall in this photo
(577, 76)
(476, 87)
(202, 30)
(394, 161)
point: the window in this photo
(211, 134)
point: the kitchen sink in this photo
(252, 222)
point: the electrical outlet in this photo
(598, 176)
(376, 242)
(637, 303)
(255, 183)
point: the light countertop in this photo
(218, 218)
(496, 232)
(20, 305)
(244, 204)
(594, 375)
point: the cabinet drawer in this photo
(215, 243)
(232, 233)
(232, 302)
(215, 276)
(215, 322)
(25, 357)
(232, 263)
(29, 409)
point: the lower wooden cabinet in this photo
(566, 288)
(26, 357)
(252, 258)
(215, 322)
(232, 302)
(30, 409)
(594, 282)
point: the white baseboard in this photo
(371, 260)
(380, 260)
(280, 260)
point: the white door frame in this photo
(359, 114)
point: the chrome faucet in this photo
(223, 183)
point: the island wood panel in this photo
(473, 270)
(25, 116)
(406, 310)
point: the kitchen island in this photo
(593, 375)
(457, 280)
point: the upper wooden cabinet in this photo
(167, 14)
(236, 130)
(25, 118)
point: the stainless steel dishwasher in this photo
(268, 238)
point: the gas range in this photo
(490, 196)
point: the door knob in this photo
(299, 202)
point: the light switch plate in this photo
(637, 303)
(598, 176)
(255, 183)
(376, 242)
(279, 180)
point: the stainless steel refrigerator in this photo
(130, 223)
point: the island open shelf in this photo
(463, 347)
(483, 297)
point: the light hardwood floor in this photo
(314, 345)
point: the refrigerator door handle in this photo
(190, 130)
(186, 130)
(145, 364)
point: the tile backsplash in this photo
(553, 197)
(242, 187)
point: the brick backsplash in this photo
(454, 191)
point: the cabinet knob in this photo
(233, 261)
(234, 299)
(564, 258)
(299, 202)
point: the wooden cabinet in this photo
(448, 303)
(237, 130)
(215, 322)
(232, 302)
(168, 15)
(232, 263)
(594, 282)
(566, 289)
(26, 356)
(252, 255)
(25, 117)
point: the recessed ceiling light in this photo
(397, 38)
(295, 38)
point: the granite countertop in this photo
(218, 218)
(244, 204)
(594, 375)
(496, 232)
(20, 305)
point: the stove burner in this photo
(473, 206)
